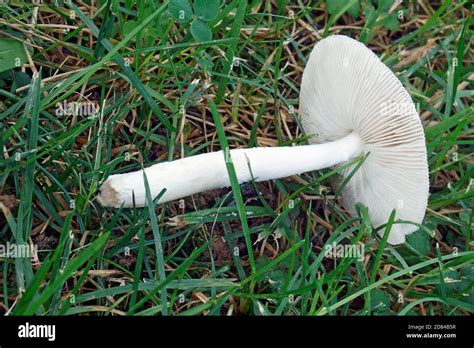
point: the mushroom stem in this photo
(200, 173)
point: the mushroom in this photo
(353, 105)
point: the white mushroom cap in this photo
(346, 88)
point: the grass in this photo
(254, 249)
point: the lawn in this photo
(94, 88)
